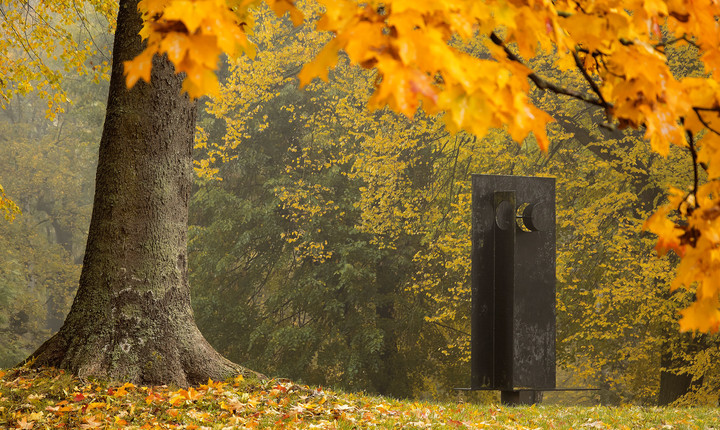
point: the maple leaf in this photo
(280, 7)
(667, 231)
(185, 11)
(703, 315)
(138, 68)
(94, 405)
(175, 45)
(91, 422)
(176, 399)
(321, 64)
(25, 424)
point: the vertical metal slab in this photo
(513, 282)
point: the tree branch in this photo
(589, 79)
(682, 38)
(543, 83)
(694, 156)
(697, 111)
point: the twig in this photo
(543, 83)
(694, 156)
(451, 328)
(588, 78)
(702, 120)
(682, 38)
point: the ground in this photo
(49, 398)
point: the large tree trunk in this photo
(131, 319)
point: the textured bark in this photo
(131, 319)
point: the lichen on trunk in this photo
(131, 319)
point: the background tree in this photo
(410, 197)
(304, 293)
(131, 318)
(606, 44)
(477, 92)
(47, 167)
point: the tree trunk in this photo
(675, 380)
(673, 385)
(131, 319)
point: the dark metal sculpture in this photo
(513, 286)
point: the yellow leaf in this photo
(185, 11)
(200, 82)
(319, 66)
(152, 6)
(138, 68)
(94, 405)
(282, 6)
(703, 315)
(668, 233)
(176, 399)
(176, 45)
(203, 50)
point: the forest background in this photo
(330, 244)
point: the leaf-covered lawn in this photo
(49, 399)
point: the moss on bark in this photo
(131, 319)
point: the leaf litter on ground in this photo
(53, 399)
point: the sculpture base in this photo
(524, 396)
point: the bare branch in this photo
(694, 156)
(588, 78)
(702, 120)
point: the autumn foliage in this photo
(53, 399)
(619, 47)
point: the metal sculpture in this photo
(513, 286)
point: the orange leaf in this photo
(183, 10)
(203, 50)
(282, 6)
(25, 424)
(175, 400)
(703, 315)
(668, 233)
(319, 66)
(176, 45)
(138, 68)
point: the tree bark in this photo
(131, 319)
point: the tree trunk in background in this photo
(673, 385)
(131, 319)
(674, 382)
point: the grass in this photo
(52, 399)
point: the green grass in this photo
(51, 399)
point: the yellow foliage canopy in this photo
(38, 40)
(619, 47)
(7, 206)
